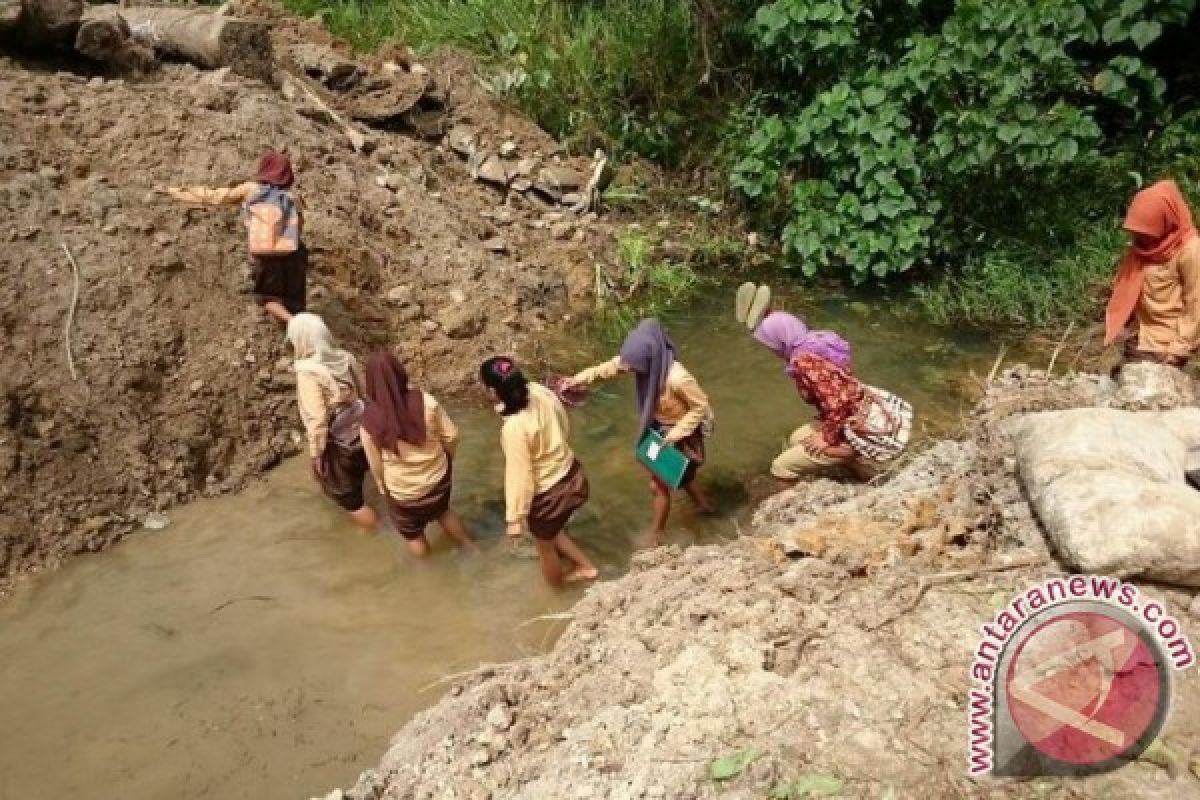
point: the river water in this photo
(261, 647)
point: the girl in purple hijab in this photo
(787, 336)
(669, 401)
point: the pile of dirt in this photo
(182, 387)
(847, 672)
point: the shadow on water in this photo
(260, 647)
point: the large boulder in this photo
(1109, 489)
(1145, 386)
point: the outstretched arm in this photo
(204, 196)
(601, 372)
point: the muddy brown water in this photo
(261, 647)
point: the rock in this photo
(400, 295)
(526, 167)
(196, 386)
(804, 544)
(555, 181)
(495, 244)
(562, 230)
(480, 757)
(1093, 475)
(571, 199)
(458, 296)
(461, 140)
(492, 170)
(463, 322)
(430, 326)
(500, 717)
(1194, 608)
(155, 521)
(1147, 386)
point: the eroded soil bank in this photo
(182, 388)
(841, 663)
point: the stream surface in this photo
(262, 647)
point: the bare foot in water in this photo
(580, 575)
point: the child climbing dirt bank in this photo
(139, 371)
(827, 655)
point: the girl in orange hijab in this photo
(1158, 284)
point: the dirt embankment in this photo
(182, 386)
(846, 671)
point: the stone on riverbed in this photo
(1109, 489)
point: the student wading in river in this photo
(327, 392)
(860, 427)
(544, 484)
(669, 401)
(274, 220)
(1157, 290)
(409, 441)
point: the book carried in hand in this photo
(664, 460)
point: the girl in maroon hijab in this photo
(409, 441)
(274, 221)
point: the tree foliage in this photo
(895, 133)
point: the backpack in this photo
(881, 428)
(272, 222)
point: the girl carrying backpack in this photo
(274, 220)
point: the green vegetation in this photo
(624, 74)
(979, 152)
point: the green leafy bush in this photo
(924, 132)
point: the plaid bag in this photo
(881, 428)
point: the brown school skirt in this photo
(551, 510)
(283, 279)
(412, 517)
(344, 471)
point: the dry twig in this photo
(482, 668)
(996, 366)
(927, 582)
(71, 310)
(1057, 350)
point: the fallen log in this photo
(108, 39)
(200, 37)
(37, 23)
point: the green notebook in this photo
(663, 460)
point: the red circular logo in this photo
(1084, 688)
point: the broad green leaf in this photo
(1145, 32)
(873, 96)
(730, 766)
(1114, 31)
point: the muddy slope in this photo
(182, 387)
(833, 666)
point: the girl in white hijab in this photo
(327, 391)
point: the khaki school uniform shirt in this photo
(317, 395)
(536, 453)
(411, 473)
(1168, 314)
(682, 406)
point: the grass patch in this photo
(1023, 287)
(623, 74)
(652, 287)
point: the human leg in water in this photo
(452, 525)
(700, 498)
(584, 569)
(548, 558)
(661, 511)
(365, 517)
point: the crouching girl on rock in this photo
(669, 401)
(331, 408)
(544, 484)
(859, 426)
(409, 442)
